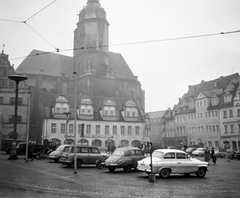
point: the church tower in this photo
(91, 56)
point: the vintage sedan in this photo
(124, 157)
(171, 161)
(55, 155)
(199, 152)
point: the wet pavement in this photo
(44, 178)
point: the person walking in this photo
(207, 155)
(213, 156)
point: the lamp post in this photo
(17, 79)
(67, 116)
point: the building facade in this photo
(207, 115)
(7, 102)
(95, 84)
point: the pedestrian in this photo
(207, 155)
(213, 156)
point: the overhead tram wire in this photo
(25, 22)
(139, 42)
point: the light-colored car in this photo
(85, 155)
(199, 152)
(55, 155)
(221, 153)
(189, 150)
(124, 157)
(172, 161)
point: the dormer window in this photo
(108, 111)
(86, 108)
(214, 101)
(131, 111)
(227, 98)
(61, 106)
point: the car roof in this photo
(170, 150)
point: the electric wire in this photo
(134, 43)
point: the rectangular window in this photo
(214, 129)
(202, 129)
(12, 118)
(200, 103)
(217, 127)
(216, 113)
(107, 130)
(201, 115)
(232, 128)
(225, 128)
(224, 114)
(12, 101)
(97, 129)
(238, 128)
(212, 113)
(1, 100)
(88, 129)
(205, 102)
(137, 130)
(70, 128)
(238, 112)
(129, 130)
(209, 114)
(79, 128)
(206, 128)
(210, 128)
(63, 128)
(53, 127)
(230, 113)
(122, 130)
(114, 130)
(205, 114)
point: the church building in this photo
(95, 90)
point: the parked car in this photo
(221, 153)
(124, 157)
(189, 150)
(55, 155)
(85, 155)
(171, 161)
(199, 152)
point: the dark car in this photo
(124, 157)
(189, 150)
(221, 153)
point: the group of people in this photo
(210, 154)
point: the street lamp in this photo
(17, 79)
(67, 117)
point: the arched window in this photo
(83, 142)
(52, 91)
(124, 143)
(44, 90)
(97, 143)
(136, 143)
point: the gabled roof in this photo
(156, 114)
(46, 63)
(52, 64)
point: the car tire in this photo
(201, 172)
(79, 163)
(69, 165)
(165, 173)
(56, 160)
(111, 168)
(127, 168)
(187, 174)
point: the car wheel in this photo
(128, 168)
(201, 172)
(56, 160)
(8, 150)
(79, 163)
(164, 173)
(112, 168)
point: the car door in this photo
(136, 155)
(84, 155)
(185, 164)
(94, 154)
(169, 161)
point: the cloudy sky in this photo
(168, 44)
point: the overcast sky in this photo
(147, 31)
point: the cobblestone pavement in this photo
(44, 178)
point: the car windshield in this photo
(158, 154)
(118, 152)
(60, 148)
